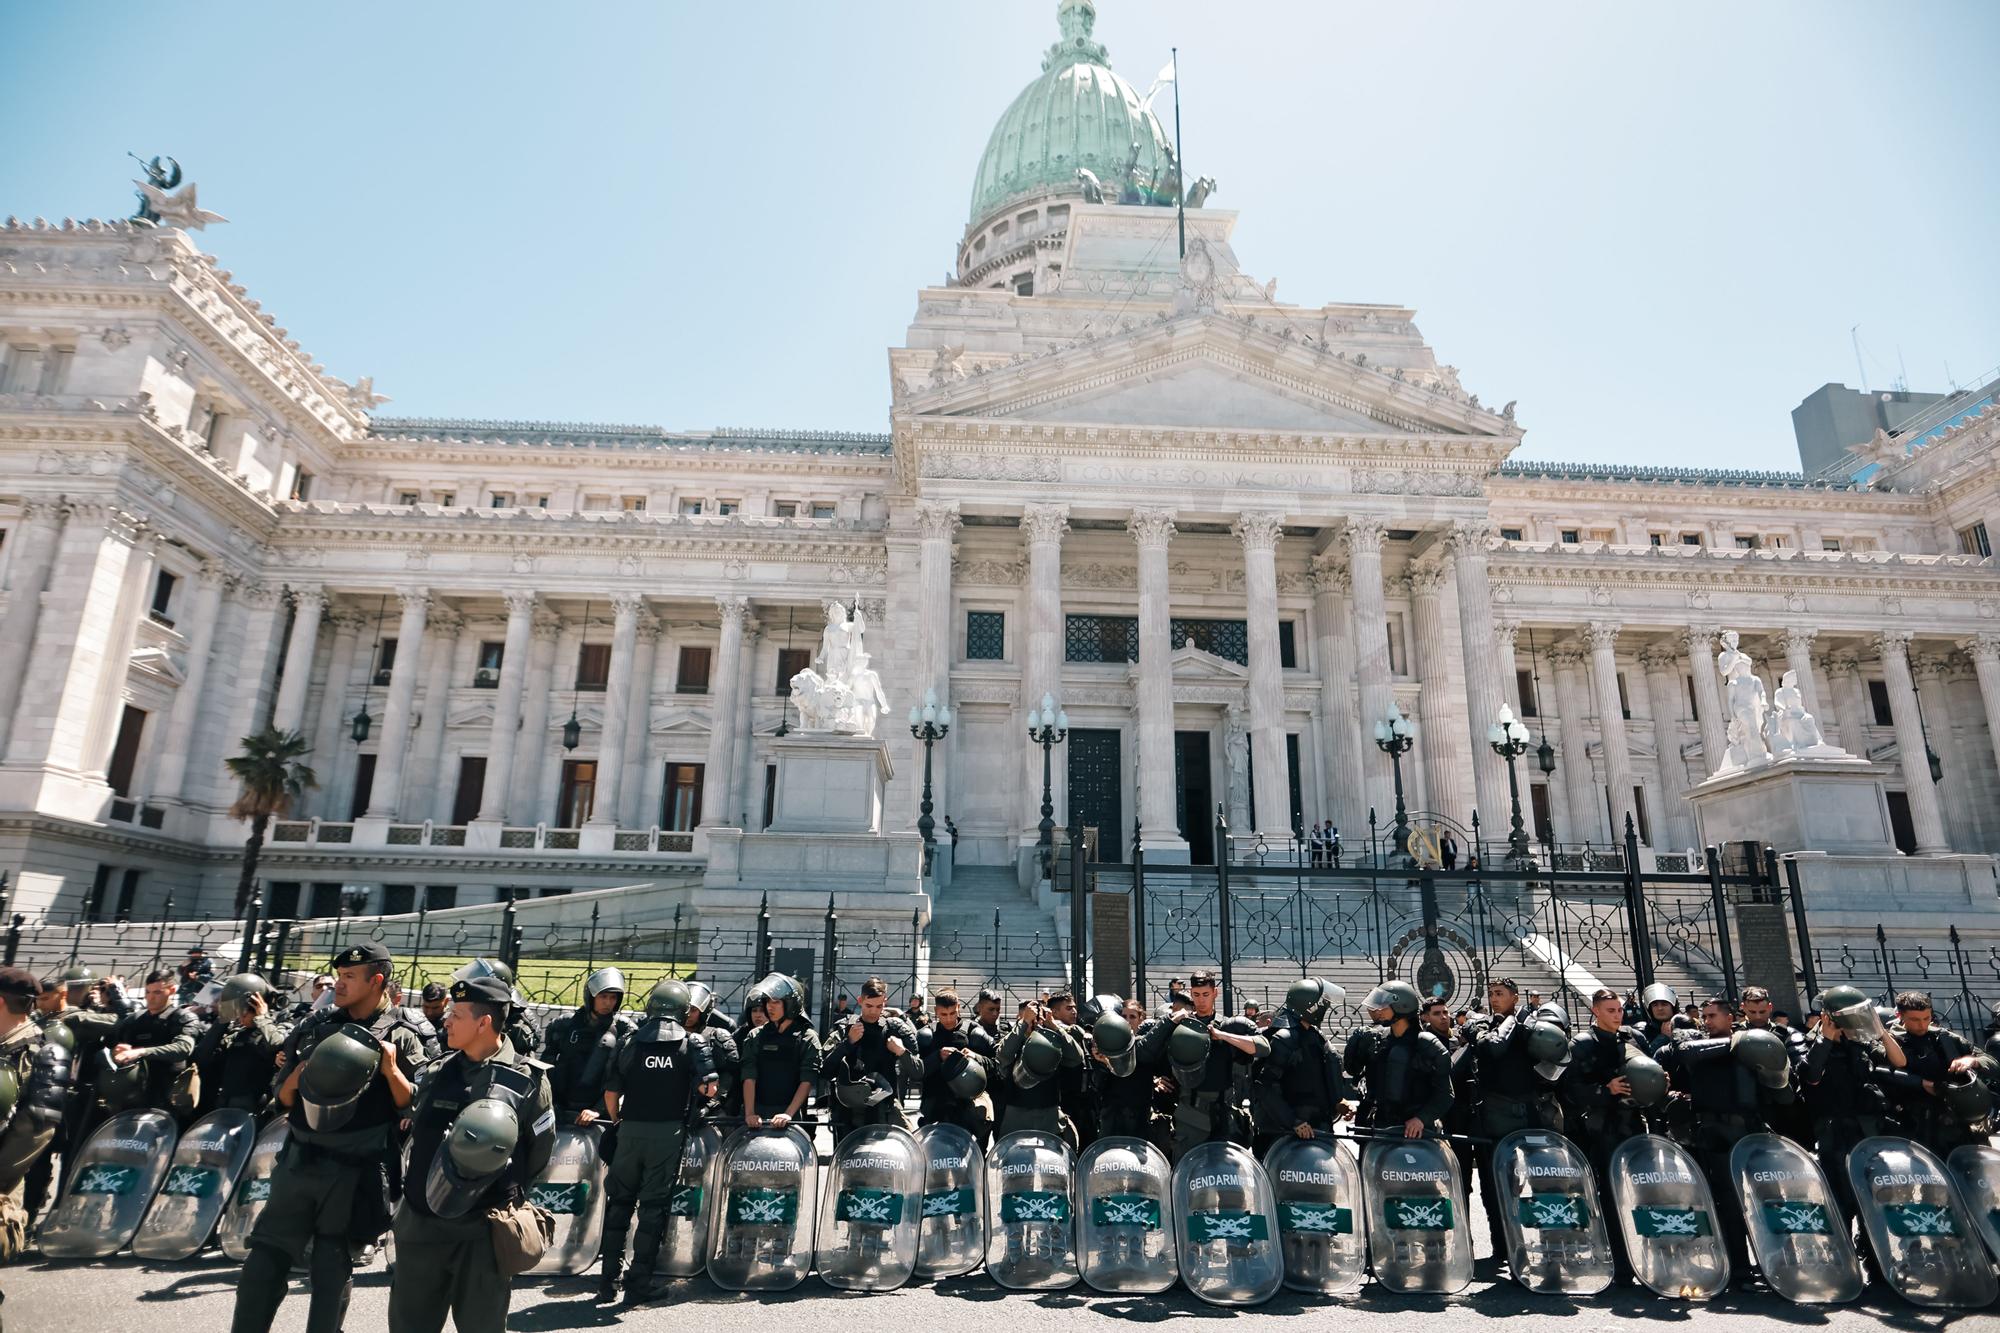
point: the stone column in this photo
(1506, 648)
(1440, 736)
(429, 792)
(1662, 664)
(1042, 527)
(937, 525)
(524, 799)
(333, 753)
(735, 611)
(746, 799)
(295, 681)
(1850, 702)
(1926, 818)
(1363, 536)
(1580, 786)
(1603, 637)
(507, 725)
(1333, 632)
(639, 725)
(36, 541)
(1984, 650)
(248, 698)
(1933, 674)
(1151, 530)
(1487, 677)
(1260, 533)
(1708, 707)
(385, 798)
(1797, 643)
(611, 736)
(200, 621)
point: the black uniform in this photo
(1792, 1119)
(1299, 1083)
(1512, 1096)
(1924, 1115)
(1843, 1084)
(1599, 1121)
(939, 1104)
(778, 1062)
(578, 1050)
(846, 1061)
(1210, 1104)
(1402, 1078)
(1723, 1102)
(716, 1034)
(164, 1042)
(1125, 1104)
(236, 1064)
(656, 1072)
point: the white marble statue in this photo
(840, 692)
(1745, 704)
(1795, 733)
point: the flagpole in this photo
(1180, 181)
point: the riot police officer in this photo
(51, 1014)
(1520, 1059)
(579, 1047)
(346, 1081)
(521, 1029)
(480, 1131)
(146, 1051)
(867, 1060)
(1206, 1053)
(236, 1053)
(1843, 1078)
(1926, 1089)
(715, 1030)
(1073, 1080)
(1405, 1072)
(434, 1000)
(1660, 1004)
(34, 1086)
(986, 1019)
(1609, 1083)
(1122, 1086)
(1030, 1056)
(1727, 1079)
(781, 1056)
(1790, 1119)
(958, 1060)
(1300, 1089)
(298, 1013)
(657, 1077)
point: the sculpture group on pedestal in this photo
(1762, 728)
(840, 693)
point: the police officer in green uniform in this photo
(714, 1031)
(868, 1060)
(1520, 1056)
(958, 1061)
(147, 1050)
(345, 1083)
(1123, 1090)
(1300, 1089)
(1844, 1079)
(781, 1056)
(1923, 1089)
(658, 1077)
(51, 1012)
(1405, 1072)
(481, 1129)
(1031, 1055)
(1206, 1053)
(33, 1091)
(240, 1048)
(579, 1047)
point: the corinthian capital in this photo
(1259, 530)
(1603, 635)
(1469, 537)
(1044, 522)
(626, 606)
(1894, 643)
(310, 600)
(1151, 527)
(1983, 647)
(520, 603)
(1363, 536)
(937, 519)
(1425, 580)
(1328, 576)
(1798, 639)
(1699, 640)
(733, 609)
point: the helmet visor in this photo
(1381, 998)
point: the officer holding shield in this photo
(1300, 1089)
(1206, 1053)
(781, 1056)
(34, 1088)
(480, 1132)
(345, 1083)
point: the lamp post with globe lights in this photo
(929, 722)
(1394, 735)
(1509, 740)
(1048, 727)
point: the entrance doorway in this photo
(1901, 827)
(1095, 798)
(1194, 801)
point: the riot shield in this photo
(1123, 1245)
(571, 1187)
(761, 1239)
(253, 1189)
(1975, 1168)
(1669, 1219)
(206, 1164)
(1417, 1228)
(953, 1238)
(110, 1187)
(872, 1210)
(1226, 1226)
(1921, 1229)
(684, 1246)
(1030, 1212)
(1318, 1186)
(1797, 1231)
(1556, 1237)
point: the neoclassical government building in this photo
(1227, 533)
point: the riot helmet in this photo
(1547, 1040)
(967, 1079)
(1039, 1060)
(234, 997)
(473, 1155)
(1187, 1046)
(668, 999)
(1114, 1040)
(1398, 997)
(1762, 1052)
(1311, 998)
(701, 996)
(1097, 1006)
(1658, 993)
(484, 967)
(1648, 1080)
(779, 991)
(122, 1087)
(602, 980)
(859, 1094)
(1962, 1090)
(335, 1075)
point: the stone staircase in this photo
(1032, 952)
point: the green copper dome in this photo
(1077, 114)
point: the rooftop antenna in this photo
(1180, 184)
(1855, 333)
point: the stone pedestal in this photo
(829, 784)
(1798, 805)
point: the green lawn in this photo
(545, 980)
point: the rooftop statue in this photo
(160, 208)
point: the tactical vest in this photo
(781, 1064)
(1307, 1076)
(656, 1079)
(452, 1086)
(938, 1072)
(1846, 1087)
(376, 1111)
(1398, 1084)
(584, 1050)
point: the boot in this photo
(607, 1277)
(643, 1282)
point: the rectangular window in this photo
(785, 509)
(398, 899)
(1746, 541)
(282, 902)
(1694, 710)
(633, 504)
(100, 885)
(791, 661)
(822, 511)
(302, 481)
(1024, 285)
(1511, 535)
(486, 676)
(1538, 802)
(1228, 639)
(1396, 659)
(770, 793)
(1639, 813)
(1973, 541)
(1524, 682)
(125, 751)
(578, 793)
(501, 500)
(1100, 638)
(1288, 649)
(985, 636)
(1830, 544)
(1571, 536)
(681, 809)
(364, 786)
(1605, 535)
(1624, 699)
(691, 508)
(163, 598)
(385, 661)
(692, 675)
(593, 666)
(447, 499)
(727, 507)
(538, 502)
(1878, 703)
(471, 784)
(1656, 538)
(1690, 539)
(128, 894)
(438, 896)
(407, 498)
(325, 900)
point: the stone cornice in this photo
(1505, 490)
(1706, 567)
(542, 529)
(398, 456)
(1447, 453)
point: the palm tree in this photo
(272, 779)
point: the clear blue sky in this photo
(1651, 224)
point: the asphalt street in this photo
(127, 1296)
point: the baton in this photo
(1387, 1136)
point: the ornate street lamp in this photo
(572, 732)
(928, 723)
(1545, 754)
(1509, 740)
(1923, 729)
(362, 722)
(1394, 735)
(1047, 728)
